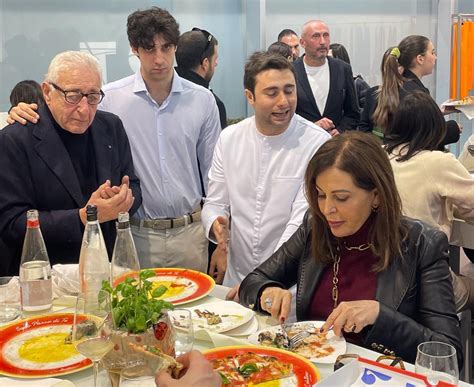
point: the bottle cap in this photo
(32, 219)
(91, 212)
(123, 220)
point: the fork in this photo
(298, 339)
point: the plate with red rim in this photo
(34, 348)
(184, 285)
(304, 373)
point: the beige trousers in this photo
(183, 247)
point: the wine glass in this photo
(92, 327)
(437, 361)
(182, 322)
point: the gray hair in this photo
(66, 60)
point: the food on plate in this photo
(469, 100)
(161, 361)
(273, 339)
(314, 346)
(211, 317)
(173, 288)
(250, 368)
(32, 349)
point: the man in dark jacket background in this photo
(196, 56)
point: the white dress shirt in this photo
(167, 141)
(257, 180)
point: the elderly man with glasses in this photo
(73, 156)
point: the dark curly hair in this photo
(144, 25)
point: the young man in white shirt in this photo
(255, 199)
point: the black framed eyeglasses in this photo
(208, 37)
(75, 96)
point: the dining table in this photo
(202, 342)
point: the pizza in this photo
(313, 347)
(161, 361)
(250, 368)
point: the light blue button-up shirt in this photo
(167, 141)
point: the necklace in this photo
(335, 268)
(362, 247)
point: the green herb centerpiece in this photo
(139, 318)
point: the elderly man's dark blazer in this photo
(36, 172)
(341, 105)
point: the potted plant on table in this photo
(139, 318)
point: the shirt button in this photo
(162, 157)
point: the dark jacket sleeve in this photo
(362, 87)
(434, 317)
(280, 270)
(351, 115)
(18, 195)
(366, 117)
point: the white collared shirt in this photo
(167, 141)
(257, 180)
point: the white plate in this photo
(244, 330)
(339, 344)
(233, 315)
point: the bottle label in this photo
(36, 292)
(32, 223)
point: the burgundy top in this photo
(356, 279)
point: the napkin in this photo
(50, 382)
(467, 110)
(65, 280)
(12, 295)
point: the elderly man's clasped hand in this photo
(110, 200)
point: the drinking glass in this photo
(184, 333)
(9, 299)
(438, 362)
(92, 327)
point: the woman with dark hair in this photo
(433, 185)
(416, 57)
(337, 50)
(413, 140)
(357, 262)
(27, 91)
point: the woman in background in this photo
(433, 185)
(416, 55)
(26, 91)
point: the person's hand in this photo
(326, 124)
(108, 209)
(197, 372)
(22, 113)
(220, 229)
(277, 302)
(352, 316)
(448, 110)
(233, 294)
(109, 192)
(333, 132)
(218, 265)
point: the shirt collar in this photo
(139, 83)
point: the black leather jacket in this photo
(415, 292)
